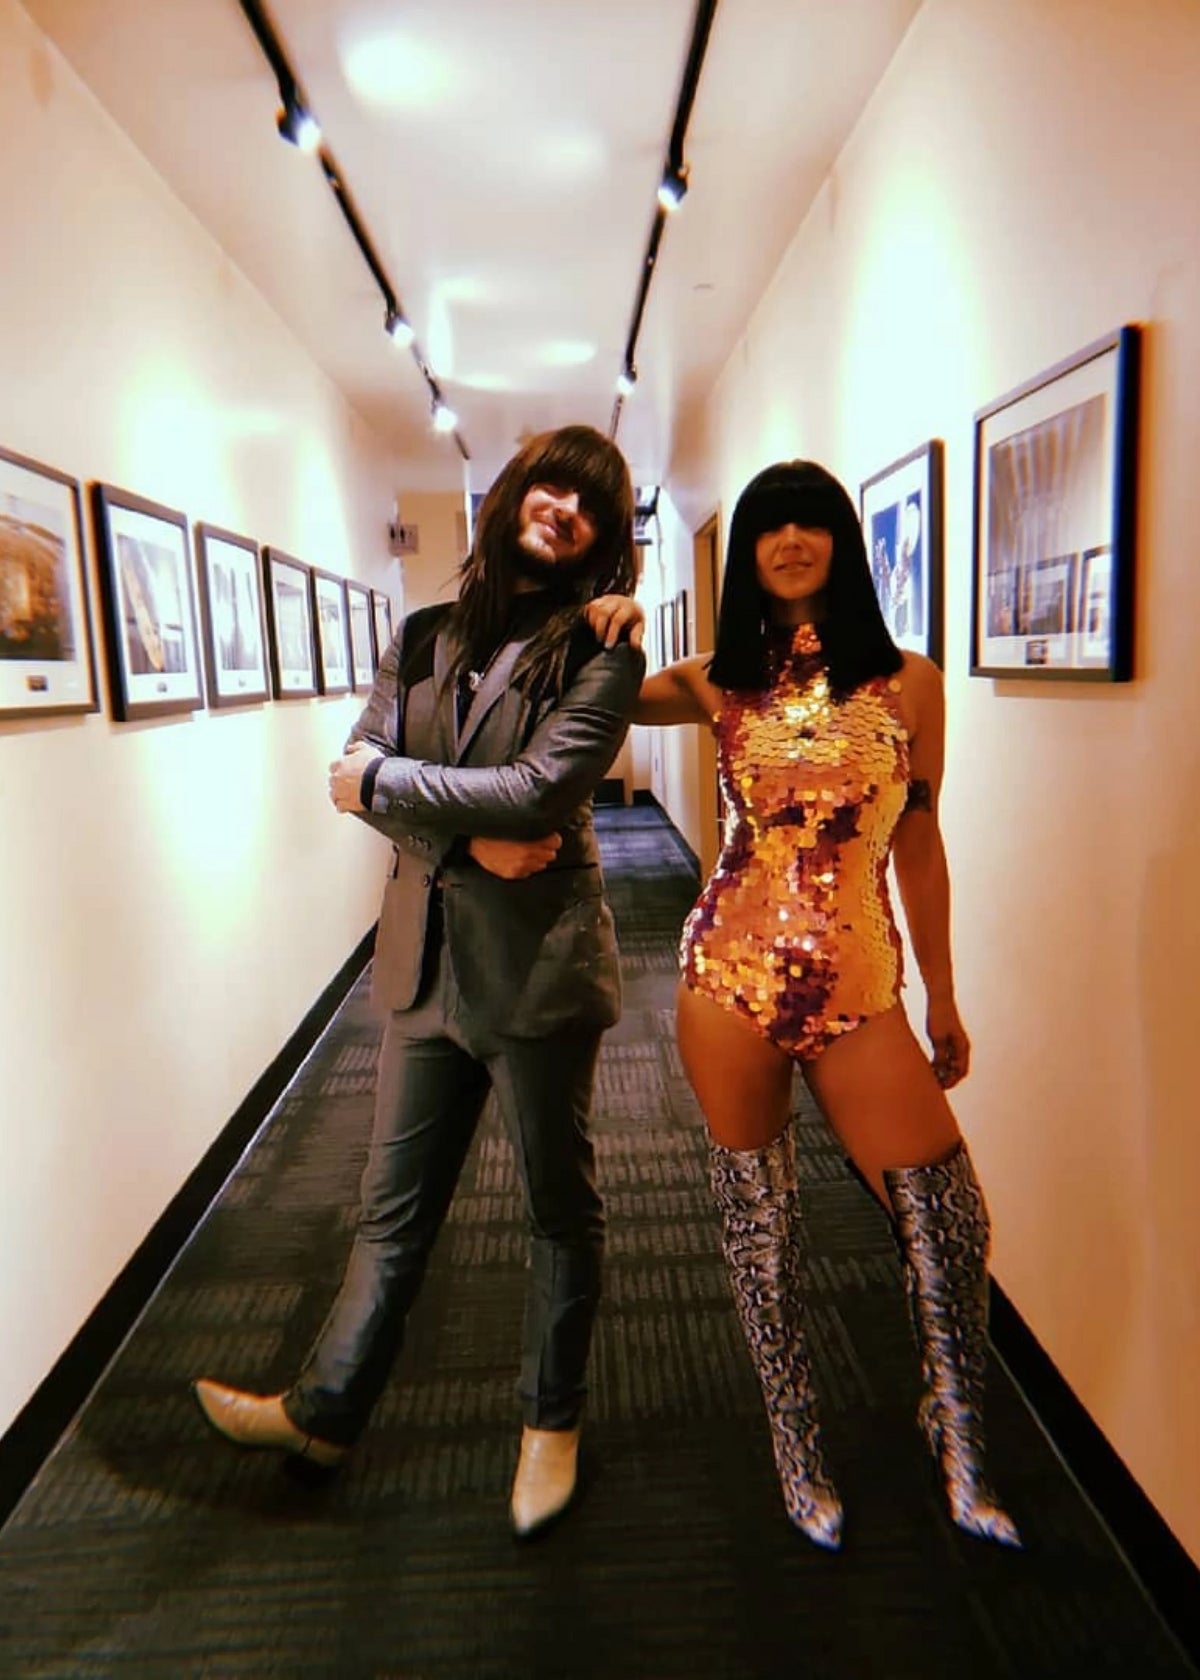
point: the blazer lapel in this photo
(445, 702)
(494, 686)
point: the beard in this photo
(562, 577)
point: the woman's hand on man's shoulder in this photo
(613, 616)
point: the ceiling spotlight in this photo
(444, 418)
(626, 380)
(297, 127)
(398, 329)
(674, 186)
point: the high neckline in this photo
(794, 641)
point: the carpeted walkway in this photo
(149, 1547)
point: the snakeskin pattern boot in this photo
(755, 1192)
(943, 1230)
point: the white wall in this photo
(668, 761)
(1022, 182)
(431, 573)
(178, 892)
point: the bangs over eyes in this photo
(587, 465)
(595, 498)
(812, 509)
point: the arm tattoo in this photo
(920, 796)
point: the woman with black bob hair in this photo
(830, 751)
(854, 637)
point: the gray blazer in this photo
(528, 956)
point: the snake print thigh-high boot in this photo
(943, 1231)
(755, 1192)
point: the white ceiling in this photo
(504, 156)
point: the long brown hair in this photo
(578, 458)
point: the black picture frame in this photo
(381, 623)
(288, 595)
(665, 632)
(682, 635)
(331, 631)
(362, 635)
(232, 617)
(148, 600)
(902, 508)
(47, 655)
(1055, 516)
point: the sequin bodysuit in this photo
(794, 929)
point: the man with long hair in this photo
(489, 726)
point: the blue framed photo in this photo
(901, 511)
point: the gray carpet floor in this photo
(147, 1546)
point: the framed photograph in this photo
(149, 606)
(231, 617)
(665, 632)
(682, 638)
(901, 510)
(46, 660)
(289, 626)
(362, 639)
(381, 622)
(1055, 514)
(333, 633)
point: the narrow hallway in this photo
(149, 1547)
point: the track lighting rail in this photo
(673, 186)
(295, 110)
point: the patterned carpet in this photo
(148, 1547)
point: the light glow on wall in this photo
(397, 72)
(566, 352)
(484, 381)
(580, 156)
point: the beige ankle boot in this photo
(259, 1420)
(545, 1480)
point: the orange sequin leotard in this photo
(794, 929)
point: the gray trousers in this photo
(435, 1070)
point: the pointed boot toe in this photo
(259, 1420)
(976, 1510)
(820, 1518)
(545, 1481)
(944, 1233)
(757, 1198)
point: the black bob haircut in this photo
(855, 640)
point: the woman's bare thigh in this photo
(876, 1088)
(742, 1082)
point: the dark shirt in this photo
(527, 614)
